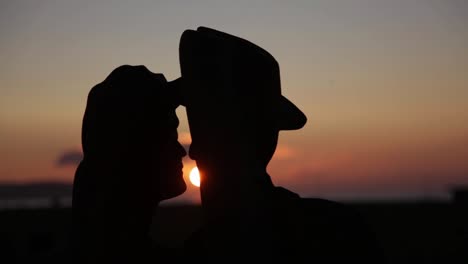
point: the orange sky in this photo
(384, 85)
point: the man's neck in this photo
(225, 190)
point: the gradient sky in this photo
(384, 85)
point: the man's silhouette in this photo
(235, 111)
(132, 161)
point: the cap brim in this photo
(289, 116)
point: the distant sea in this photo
(36, 203)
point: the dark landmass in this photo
(409, 232)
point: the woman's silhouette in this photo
(132, 161)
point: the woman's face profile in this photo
(170, 163)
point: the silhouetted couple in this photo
(132, 161)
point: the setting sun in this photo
(194, 177)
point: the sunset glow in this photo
(382, 83)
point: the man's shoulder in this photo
(328, 206)
(320, 213)
(313, 204)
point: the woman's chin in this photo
(174, 190)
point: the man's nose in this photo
(193, 151)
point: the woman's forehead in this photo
(172, 119)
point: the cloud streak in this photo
(69, 158)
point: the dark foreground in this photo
(413, 232)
